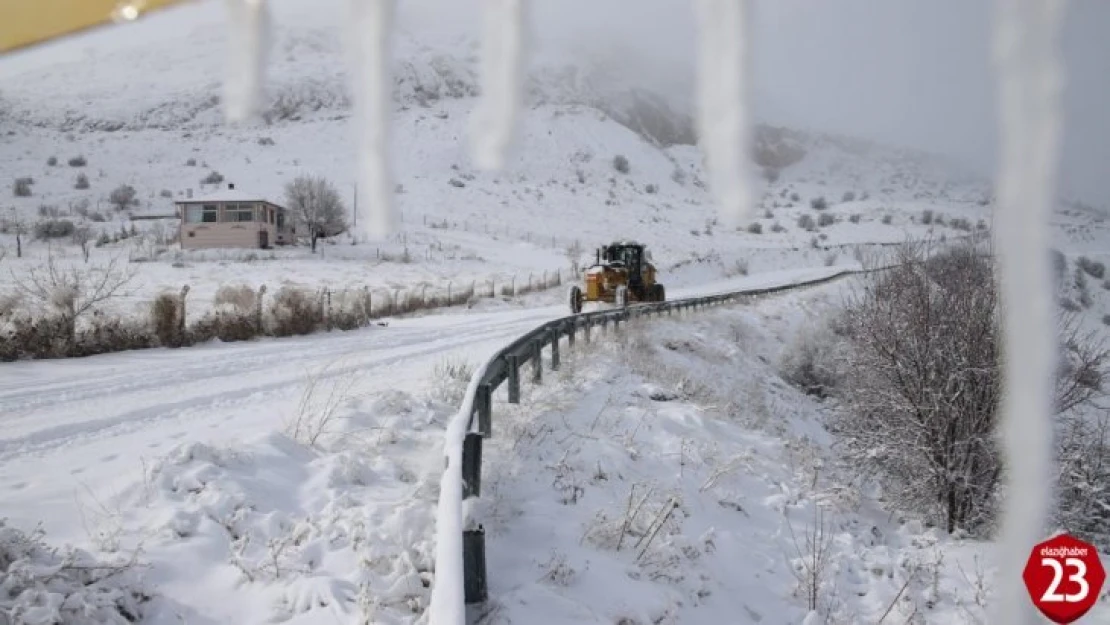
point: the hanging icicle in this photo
(247, 46)
(503, 61)
(369, 45)
(1030, 80)
(723, 94)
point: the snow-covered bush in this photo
(810, 363)
(1096, 269)
(620, 163)
(926, 384)
(450, 379)
(294, 311)
(42, 585)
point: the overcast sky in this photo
(911, 72)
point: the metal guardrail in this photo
(461, 555)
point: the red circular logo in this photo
(1064, 577)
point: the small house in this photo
(233, 218)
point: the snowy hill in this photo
(295, 479)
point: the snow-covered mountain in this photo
(201, 456)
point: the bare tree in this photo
(317, 206)
(123, 196)
(925, 384)
(70, 292)
(82, 237)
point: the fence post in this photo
(472, 465)
(474, 565)
(483, 401)
(514, 378)
(555, 349)
(537, 362)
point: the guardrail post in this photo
(483, 401)
(474, 566)
(586, 330)
(472, 465)
(555, 336)
(514, 379)
(570, 335)
(537, 362)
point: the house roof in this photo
(227, 195)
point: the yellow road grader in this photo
(621, 274)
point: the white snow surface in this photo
(193, 454)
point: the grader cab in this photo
(621, 274)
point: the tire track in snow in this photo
(279, 375)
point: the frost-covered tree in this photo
(922, 399)
(317, 207)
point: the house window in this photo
(280, 219)
(238, 212)
(211, 214)
(194, 215)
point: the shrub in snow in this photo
(806, 222)
(819, 203)
(755, 228)
(795, 197)
(777, 227)
(166, 319)
(450, 379)
(810, 363)
(620, 163)
(855, 218)
(52, 161)
(40, 584)
(82, 182)
(770, 174)
(53, 229)
(294, 311)
(1096, 269)
(888, 219)
(213, 177)
(825, 219)
(78, 161)
(959, 223)
(123, 196)
(22, 187)
(925, 384)
(192, 162)
(927, 216)
(651, 188)
(849, 196)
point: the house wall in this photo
(232, 234)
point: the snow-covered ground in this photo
(267, 471)
(673, 476)
(245, 492)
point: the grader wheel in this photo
(574, 298)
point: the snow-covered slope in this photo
(141, 104)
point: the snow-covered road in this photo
(79, 430)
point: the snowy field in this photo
(669, 475)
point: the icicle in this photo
(247, 44)
(369, 45)
(503, 61)
(1030, 80)
(723, 86)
